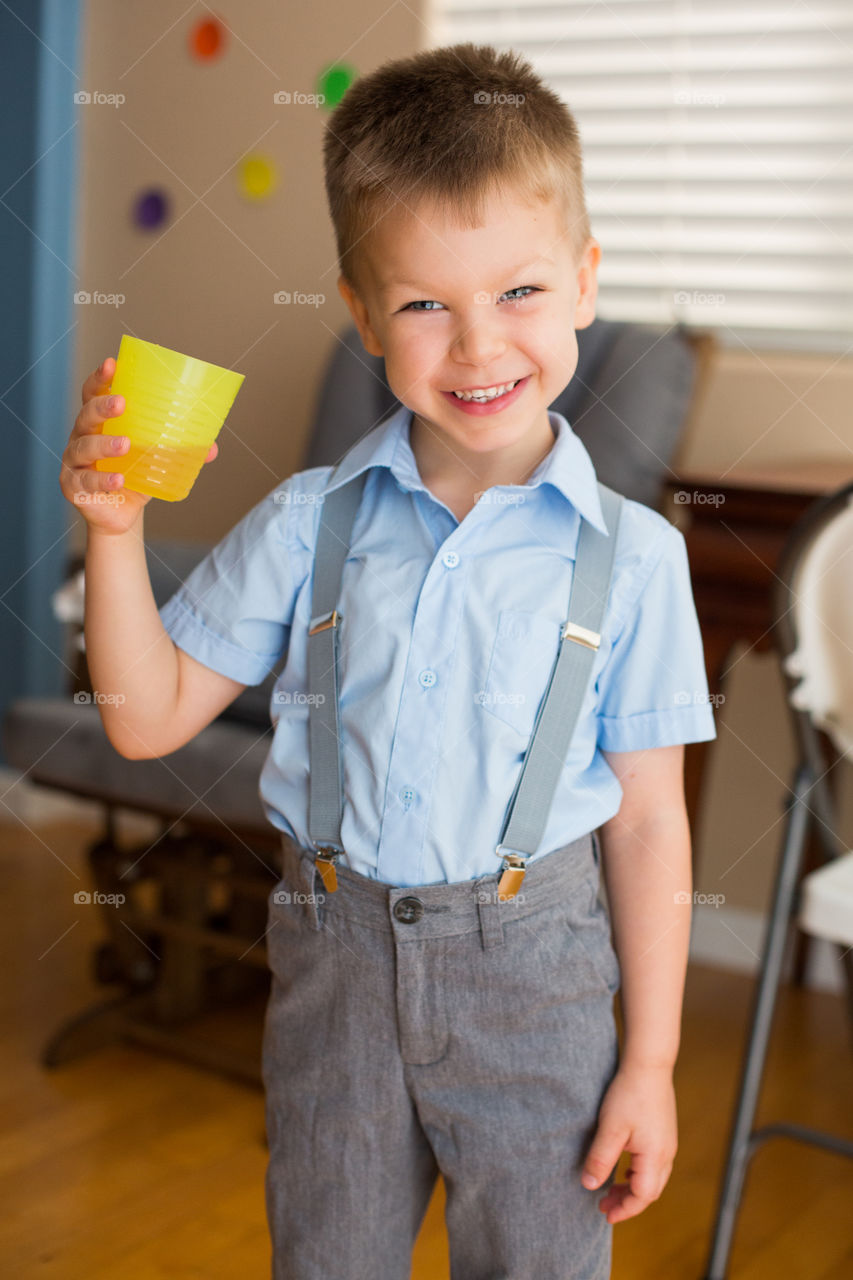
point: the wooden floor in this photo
(132, 1166)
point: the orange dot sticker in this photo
(258, 177)
(207, 39)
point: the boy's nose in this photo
(480, 342)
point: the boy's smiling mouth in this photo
(487, 393)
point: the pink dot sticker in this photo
(207, 39)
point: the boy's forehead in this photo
(408, 247)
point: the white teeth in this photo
(481, 395)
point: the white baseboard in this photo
(727, 937)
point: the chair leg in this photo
(741, 1146)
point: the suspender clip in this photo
(512, 868)
(324, 860)
(323, 622)
(581, 635)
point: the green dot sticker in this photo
(334, 82)
(258, 177)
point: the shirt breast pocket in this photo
(523, 655)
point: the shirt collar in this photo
(568, 466)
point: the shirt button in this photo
(407, 795)
(408, 910)
(450, 559)
(427, 678)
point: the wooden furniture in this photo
(735, 526)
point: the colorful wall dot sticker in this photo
(207, 39)
(151, 208)
(258, 177)
(334, 82)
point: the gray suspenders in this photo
(555, 723)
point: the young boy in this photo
(435, 1007)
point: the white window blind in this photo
(718, 149)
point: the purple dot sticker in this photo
(151, 209)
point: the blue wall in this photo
(39, 51)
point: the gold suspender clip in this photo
(513, 868)
(330, 620)
(324, 860)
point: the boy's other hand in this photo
(637, 1115)
(100, 496)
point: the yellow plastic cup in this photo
(174, 409)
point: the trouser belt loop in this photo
(491, 927)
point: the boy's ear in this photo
(361, 317)
(587, 285)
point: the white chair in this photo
(813, 633)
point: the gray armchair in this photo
(627, 401)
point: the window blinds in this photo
(718, 150)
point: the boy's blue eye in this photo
(429, 304)
(527, 288)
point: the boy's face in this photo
(457, 309)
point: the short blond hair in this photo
(454, 126)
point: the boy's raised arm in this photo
(152, 696)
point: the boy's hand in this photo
(100, 496)
(637, 1115)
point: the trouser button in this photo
(408, 910)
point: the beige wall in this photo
(206, 287)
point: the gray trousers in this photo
(417, 1031)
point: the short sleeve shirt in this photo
(450, 632)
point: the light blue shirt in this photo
(450, 631)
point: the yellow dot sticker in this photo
(258, 177)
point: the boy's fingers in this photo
(606, 1149)
(98, 381)
(212, 452)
